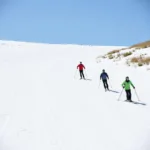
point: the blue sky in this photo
(92, 22)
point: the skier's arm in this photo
(132, 84)
(100, 76)
(83, 66)
(77, 66)
(107, 75)
(123, 84)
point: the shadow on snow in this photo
(114, 91)
(89, 79)
(138, 103)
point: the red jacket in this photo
(80, 66)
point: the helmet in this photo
(127, 78)
(80, 62)
(103, 70)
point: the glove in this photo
(123, 87)
(134, 87)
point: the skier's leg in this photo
(80, 74)
(107, 85)
(83, 74)
(104, 83)
(129, 93)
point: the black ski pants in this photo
(105, 84)
(128, 94)
(81, 74)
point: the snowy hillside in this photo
(44, 105)
(132, 56)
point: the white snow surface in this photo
(44, 105)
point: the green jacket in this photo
(126, 85)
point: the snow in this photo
(135, 52)
(43, 105)
(3, 123)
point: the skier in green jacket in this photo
(126, 84)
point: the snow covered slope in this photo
(134, 57)
(49, 108)
(3, 123)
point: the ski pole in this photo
(110, 84)
(137, 95)
(85, 73)
(120, 95)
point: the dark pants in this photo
(105, 84)
(128, 94)
(81, 74)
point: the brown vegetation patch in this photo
(141, 45)
(127, 54)
(110, 56)
(135, 59)
(141, 61)
(113, 52)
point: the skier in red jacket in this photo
(81, 67)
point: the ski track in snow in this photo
(49, 108)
